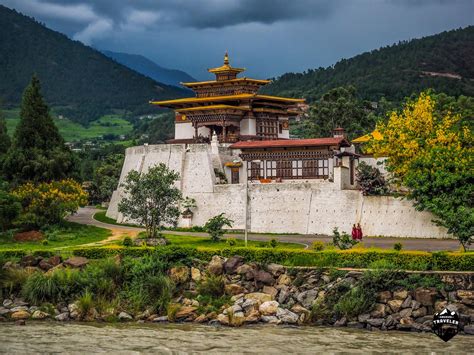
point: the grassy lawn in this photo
(68, 235)
(205, 242)
(71, 131)
(101, 217)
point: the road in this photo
(85, 216)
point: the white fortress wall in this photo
(311, 207)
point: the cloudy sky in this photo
(268, 37)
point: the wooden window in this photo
(255, 170)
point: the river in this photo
(51, 337)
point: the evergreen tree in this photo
(4, 138)
(38, 152)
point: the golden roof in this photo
(214, 107)
(189, 100)
(236, 80)
(226, 68)
(364, 139)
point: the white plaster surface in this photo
(308, 206)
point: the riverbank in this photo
(229, 291)
(49, 337)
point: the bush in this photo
(317, 246)
(85, 303)
(10, 208)
(231, 242)
(214, 226)
(398, 246)
(342, 241)
(356, 301)
(273, 243)
(211, 286)
(127, 242)
(370, 180)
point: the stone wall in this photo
(306, 207)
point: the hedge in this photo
(358, 258)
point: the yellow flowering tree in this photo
(429, 151)
(48, 203)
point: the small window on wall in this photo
(235, 176)
(280, 128)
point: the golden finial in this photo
(226, 58)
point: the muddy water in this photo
(49, 337)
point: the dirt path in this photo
(85, 216)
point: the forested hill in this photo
(78, 81)
(149, 68)
(444, 62)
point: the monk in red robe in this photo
(359, 232)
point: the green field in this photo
(71, 131)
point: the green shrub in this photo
(273, 243)
(127, 242)
(85, 303)
(354, 302)
(317, 246)
(12, 279)
(231, 242)
(212, 286)
(342, 240)
(398, 246)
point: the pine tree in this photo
(38, 152)
(4, 138)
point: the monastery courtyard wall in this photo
(313, 207)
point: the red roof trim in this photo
(284, 143)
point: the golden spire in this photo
(226, 58)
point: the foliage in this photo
(342, 240)
(354, 302)
(398, 246)
(146, 283)
(83, 83)
(211, 286)
(151, 198)
(85, 303)
(317, 245)
(214, 226)
(231, 242)
(105, 177)
(48, 203)
(358, 258)
(127, 242)
(370, 180)
(392, 72)
(10, 208)
(432, 154)
(37, 152)
(4, 137)
(273, 243)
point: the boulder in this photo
(378, 311)
(362, 318)
(216, 265)
(250, 305)
(440, 305)
(30, 260)
(186, 312)
(465, 294)
(286, 316)
(341, 322)
(259, 297)
(264, 277)
(270, 319)
(200, 319)
(123, 316)
(407, 302)
(269, 290)
(284, 294)
(298, 309)
(54, 260)
(375, 322)
(395, 305)
(384, 296)
(195, 274)
(4, 311)
(62, 317)
(44, 265)
(420, 312)
(179, 274)
(400, 295)
(268, 308)
(244, 269)
(39, 315)
(252, 317)
(7, 303)
(160, 319)
(237, 319)
(76, 262)
(404, 313)
(73, 310)
(426, 296)
(284, 279)
(275, 269)
(223, 319)
(17, 315)
(19, 308)
(232, 263)
(233, 309)
(233, 289)
(306, 298)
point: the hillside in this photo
(147, 67)
(444, 62)
(80, 82)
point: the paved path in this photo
(85, 216)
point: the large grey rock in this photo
(270, 319)
(264, 277)
(231, 264)
(62, 317)
(268, 308)
(384, 296)
(76, 262)
(286, 316)
(19, 308)
(216, 265)
(276, 269)
(426, 296)
(407, 302)
(375, 322)
(379, 311)
(8, 303)
(123, 316)
(306, 298)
